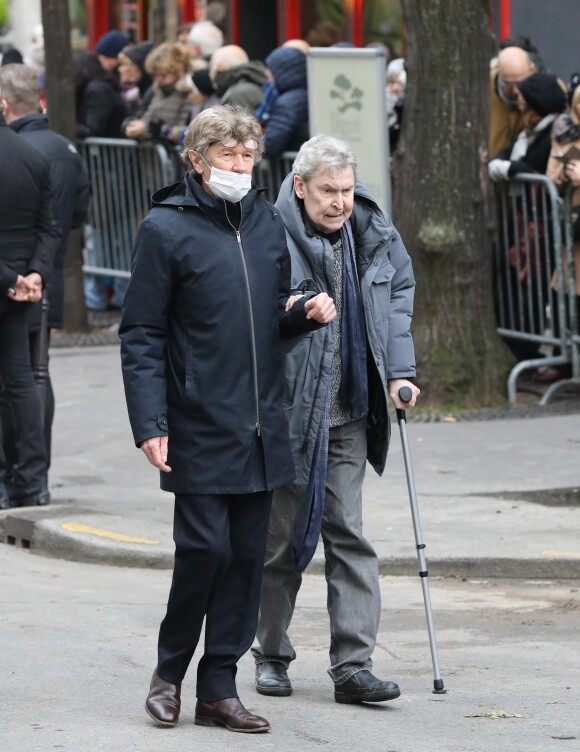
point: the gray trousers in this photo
(351, 567)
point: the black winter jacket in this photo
(29, 232)
(287, 126)
(202, 321)
(71, 191)
(100, 110)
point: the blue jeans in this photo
(351, 567)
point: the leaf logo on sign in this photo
(348, 95)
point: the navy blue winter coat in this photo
(29, 232)
(287, 126)
(202, 322)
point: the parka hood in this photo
(288, 66)
(289, 206)
(254, 72)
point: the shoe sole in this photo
(274, 691)
(201, 720)
(349, 699)
(168, 724)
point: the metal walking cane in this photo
(405, 395)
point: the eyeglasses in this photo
(507, 86)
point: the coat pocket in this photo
(381, 289)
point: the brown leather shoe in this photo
(163, 702)
(231, 714)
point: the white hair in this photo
(207, 36)
(323, 154)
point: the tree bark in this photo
(60, 100)
(440, 186)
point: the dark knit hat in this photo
(203, 82)
(111, 43)
(138, 53)
(543, 93)
(12, 56)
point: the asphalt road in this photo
(78, 648)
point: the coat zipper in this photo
(251, 314)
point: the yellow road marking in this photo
(74, 527)
(562, 554)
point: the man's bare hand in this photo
(155, 450)
(26, 289)
(395, 385)
(320, 308)
(291, 300)
(34, 284)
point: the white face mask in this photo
(231, 186)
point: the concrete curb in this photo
(89, 537)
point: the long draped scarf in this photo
(353, 394)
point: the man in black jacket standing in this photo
(19, 97)
(202, 320)
(29, 235)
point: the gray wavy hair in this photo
(20, 87)
(218, 125)
(323, 154)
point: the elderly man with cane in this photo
(338, 381)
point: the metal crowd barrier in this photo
(532, 279)
(270, 173)
(123, 174)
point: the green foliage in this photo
(3, 13)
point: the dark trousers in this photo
(48, 417)
(220, 543)
(29, 470)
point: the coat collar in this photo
(36, 121)
(188, 192)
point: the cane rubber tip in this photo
(438, 688)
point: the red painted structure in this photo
(97, 20)
(289, 19)
(504, 19)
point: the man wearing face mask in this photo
(202, 321)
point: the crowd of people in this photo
(534, 125)
(260, 343)
(257, 374)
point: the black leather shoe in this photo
(272, 679)
(364, 687)
(32, 500)
(231, 714)
(163, 702)
(5, 501)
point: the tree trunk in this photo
(440, 184)
(60, 100)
